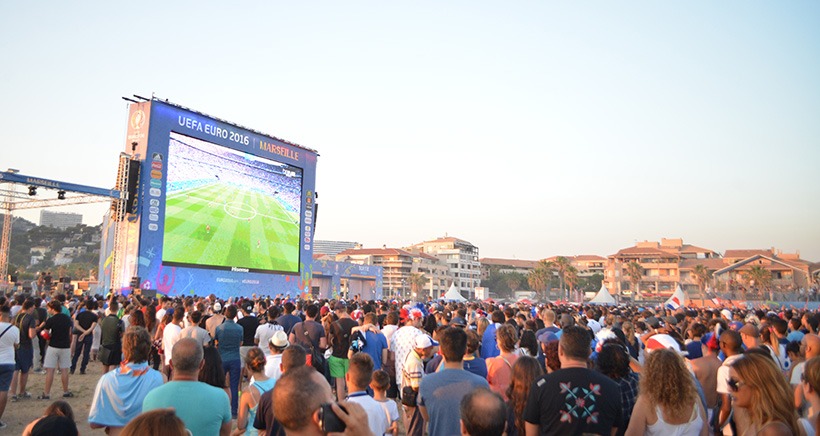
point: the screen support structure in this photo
(66, 194)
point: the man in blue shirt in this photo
(375, 342)
(440, 393)
(489, 347)
(204, 409)
(228, 340)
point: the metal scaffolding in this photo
(34, 196)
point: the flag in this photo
(677, 299)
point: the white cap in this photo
(217, 307)
(424, 341)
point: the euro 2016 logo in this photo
(137, 119)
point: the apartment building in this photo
(504, 266)
(398, 265)
(660, 262)
(460, 256)
(60, 220)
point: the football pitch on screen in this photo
(224, 225)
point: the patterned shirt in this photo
(402, 345)
(629, 394)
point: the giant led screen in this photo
(229, 209)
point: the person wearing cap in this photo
(277, 345)
(411, 375)
(339, 335)
(216, 319)
(403, 339)
(227, 339)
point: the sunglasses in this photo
(734, 384)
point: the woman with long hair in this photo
(632, 342)
(481, 324)
(163, 422)
(212, 372)
(528, 345)
(758, 386)
(524, 373)
(499, 368)
(810, 383)
(255, 363)
(668, 402)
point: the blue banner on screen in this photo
(224, 210)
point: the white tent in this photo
(453, 294)
(603, 297)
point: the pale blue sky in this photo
(528, 128)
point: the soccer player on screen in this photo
(207, 228)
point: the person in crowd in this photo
(163, 422)
(170, 335)
(380, 384)
(9, 339)
(309, 334)
(499, 368)
(483, 413)
(524, 373)
(440, 393)
(551, 361)
(151, 324)
(119, 393)
(288, 319)
(706, 371)
(212, 372)
(613, 361)
(193, 330)
(810, 385)
(489, 344)
(668, 402)
(228, 338)
(549, 414)
(693, 346)
(340, 331)
(264, 422)
(26, 323)
(810, 346)
(548, 316)
(58, 353)
(215, 320)
(255, 364)
(375, 343)
(264, 332)
(204, 409)
(111, 329)
(65, 426)
(249, 323)
(731, 345)
(277, 345)
(758, 386)
(527, 344)
(472, 362)
(85, 322)
(412, 373)
(358, 379)
(298, 397)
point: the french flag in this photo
(677, 299)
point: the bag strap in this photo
(505, 361)
(7, 329)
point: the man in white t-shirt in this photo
(170, 335)
(265, 332)
(9, 338)
(358, 379)
(730, 344)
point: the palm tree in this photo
(417, 282)
(539, 278)
(702, 276)
(759, 277)
(634, 271)
(571, 277)
(561, 265)
(513, 280)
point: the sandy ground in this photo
(19, 414)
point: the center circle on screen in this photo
(240, 210)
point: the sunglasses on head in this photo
(735, 384)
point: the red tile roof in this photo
(375, 252)
(694, 249)
(715, 263)
(589, 257)
(743, 254)
(515, 263)
(641, 250)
